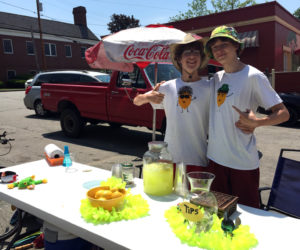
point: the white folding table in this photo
(58, 202)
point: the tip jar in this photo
(158, 169)
(200, 195)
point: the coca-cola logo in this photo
(154, 53)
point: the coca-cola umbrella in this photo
(141, 45)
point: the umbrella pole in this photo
(154, 110)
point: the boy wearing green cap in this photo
(236, 92)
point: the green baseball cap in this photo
(223, 31)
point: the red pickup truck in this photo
(106, 102)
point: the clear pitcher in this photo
(200, 195)
(158, 169)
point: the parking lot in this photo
(101, 146)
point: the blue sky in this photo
(100, 11)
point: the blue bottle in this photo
(67, 159)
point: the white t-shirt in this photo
(186, 106)
(246, 89)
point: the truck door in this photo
(121, 107)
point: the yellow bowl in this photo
(106, 204)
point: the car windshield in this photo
(165, 72)
(103, 78)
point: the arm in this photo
(152, 96)
(249, 120)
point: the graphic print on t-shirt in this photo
(185, 97)
(222, 93)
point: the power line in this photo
(31, 11)
(93, 24)
(89, 11)
(44, 16)
(18, 7)
(55, 35)
(135, 4)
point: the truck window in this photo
(165, 72)
(42, 79)
(103, 77)
(84, 78)
(65, 78)
(140, 84)
(131, 79)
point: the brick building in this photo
(271, 35)
(64, 44)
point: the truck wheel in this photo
(71, 123)
(39, 109)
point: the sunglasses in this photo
(184, 96)
(8, 176)
(191, 52)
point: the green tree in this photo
(221, 5)
(297, 13)
(122, 22)
(199, 8)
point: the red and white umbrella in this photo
(141, 45)
(215, 63)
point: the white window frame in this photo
(85, 48)
(11, 44)
(30, 54)
(11, 70)
(70, 50)
(50, 49)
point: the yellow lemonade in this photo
(158, 178)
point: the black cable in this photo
(8, 149)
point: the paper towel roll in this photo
(53, 151)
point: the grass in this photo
(5, 90)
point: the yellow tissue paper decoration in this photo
(114, 182)
(135, 206)
(215, 238)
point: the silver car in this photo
(28, 82)
(32, 99)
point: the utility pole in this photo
(35, 51)
(44, 67)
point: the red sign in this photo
(153, 53)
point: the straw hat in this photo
(223, 31)
(189, 38)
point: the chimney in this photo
(79, 15)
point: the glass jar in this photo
(127, 173)
(158, 169)
(201, 196)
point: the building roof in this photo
(258, 13)
(26, 23)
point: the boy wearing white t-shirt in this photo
(236, 92)
(186, 104)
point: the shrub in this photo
(23, 77)
(2, 85)
(16, 83)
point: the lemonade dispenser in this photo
(158, 169)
